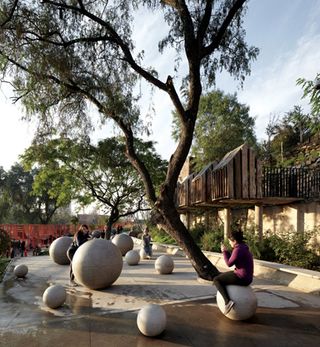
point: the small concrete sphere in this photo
(20, 270)
(152, 320)
(143, 254)
(245, 302)
(132, 257)
(124, 242)
(97, 264)
(54, 296)
(164, 264)
(58, 250)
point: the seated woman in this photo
(242, 275)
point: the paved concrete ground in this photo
(285, 317)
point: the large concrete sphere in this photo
(151, 320)
(54, 296)
(132, 257)
(164, 264)
(245, 302)
(124, 242)
(58, 250)
(143, 254)
(97, 264)
(20, 270)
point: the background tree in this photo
(92, 174)
(61, 55)
(222, 125)
(21, 203)
(311, 90)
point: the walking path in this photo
(285, 316)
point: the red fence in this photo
(37, 234)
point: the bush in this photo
(211, 240)
(295, 249)
(161, 236)
(3, 266)
(197, 232)
(4, 242)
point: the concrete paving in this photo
(285, 317)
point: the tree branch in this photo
(216, 41)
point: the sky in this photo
(287, 32)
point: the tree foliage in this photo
(311, 90)
(63, 55)
(98, 173)
(285, 134)
(222, 125)
(20, 203)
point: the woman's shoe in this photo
(228, 307)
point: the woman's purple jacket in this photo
(243, 261)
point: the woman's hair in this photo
(236, 235)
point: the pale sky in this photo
(287, 32)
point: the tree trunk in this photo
(169, 220)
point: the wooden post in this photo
(258, 219)
(300, 218)
(227, 222)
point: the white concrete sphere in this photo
(58, 250)
(97, 264)
(54, 296)
(132, 257)
(20, 270)
(152, 320)
(245, 302)
(143, 254)
(124, 242)
(164, 264)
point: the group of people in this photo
(240, 257)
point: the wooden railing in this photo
(291, 183)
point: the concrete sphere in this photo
(58, 250)
(143, 254)
(245, 302)
(124, 242)
(20, 270)
(151, 320)
(54, 296)
(97, 264)
(132, 257)
(164, 264)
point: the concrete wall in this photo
(297, 217)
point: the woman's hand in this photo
(223, 248)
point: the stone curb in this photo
(301, 279)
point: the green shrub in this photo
(211, 240)
(197, 232)
(4, 242)
(3, 266)
(295, 249)
(161, 236)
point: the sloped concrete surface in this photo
(285, 316)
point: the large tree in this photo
(223, 124)
(62, 55)
(99, 173)
(21, 204)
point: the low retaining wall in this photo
(294, 277)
